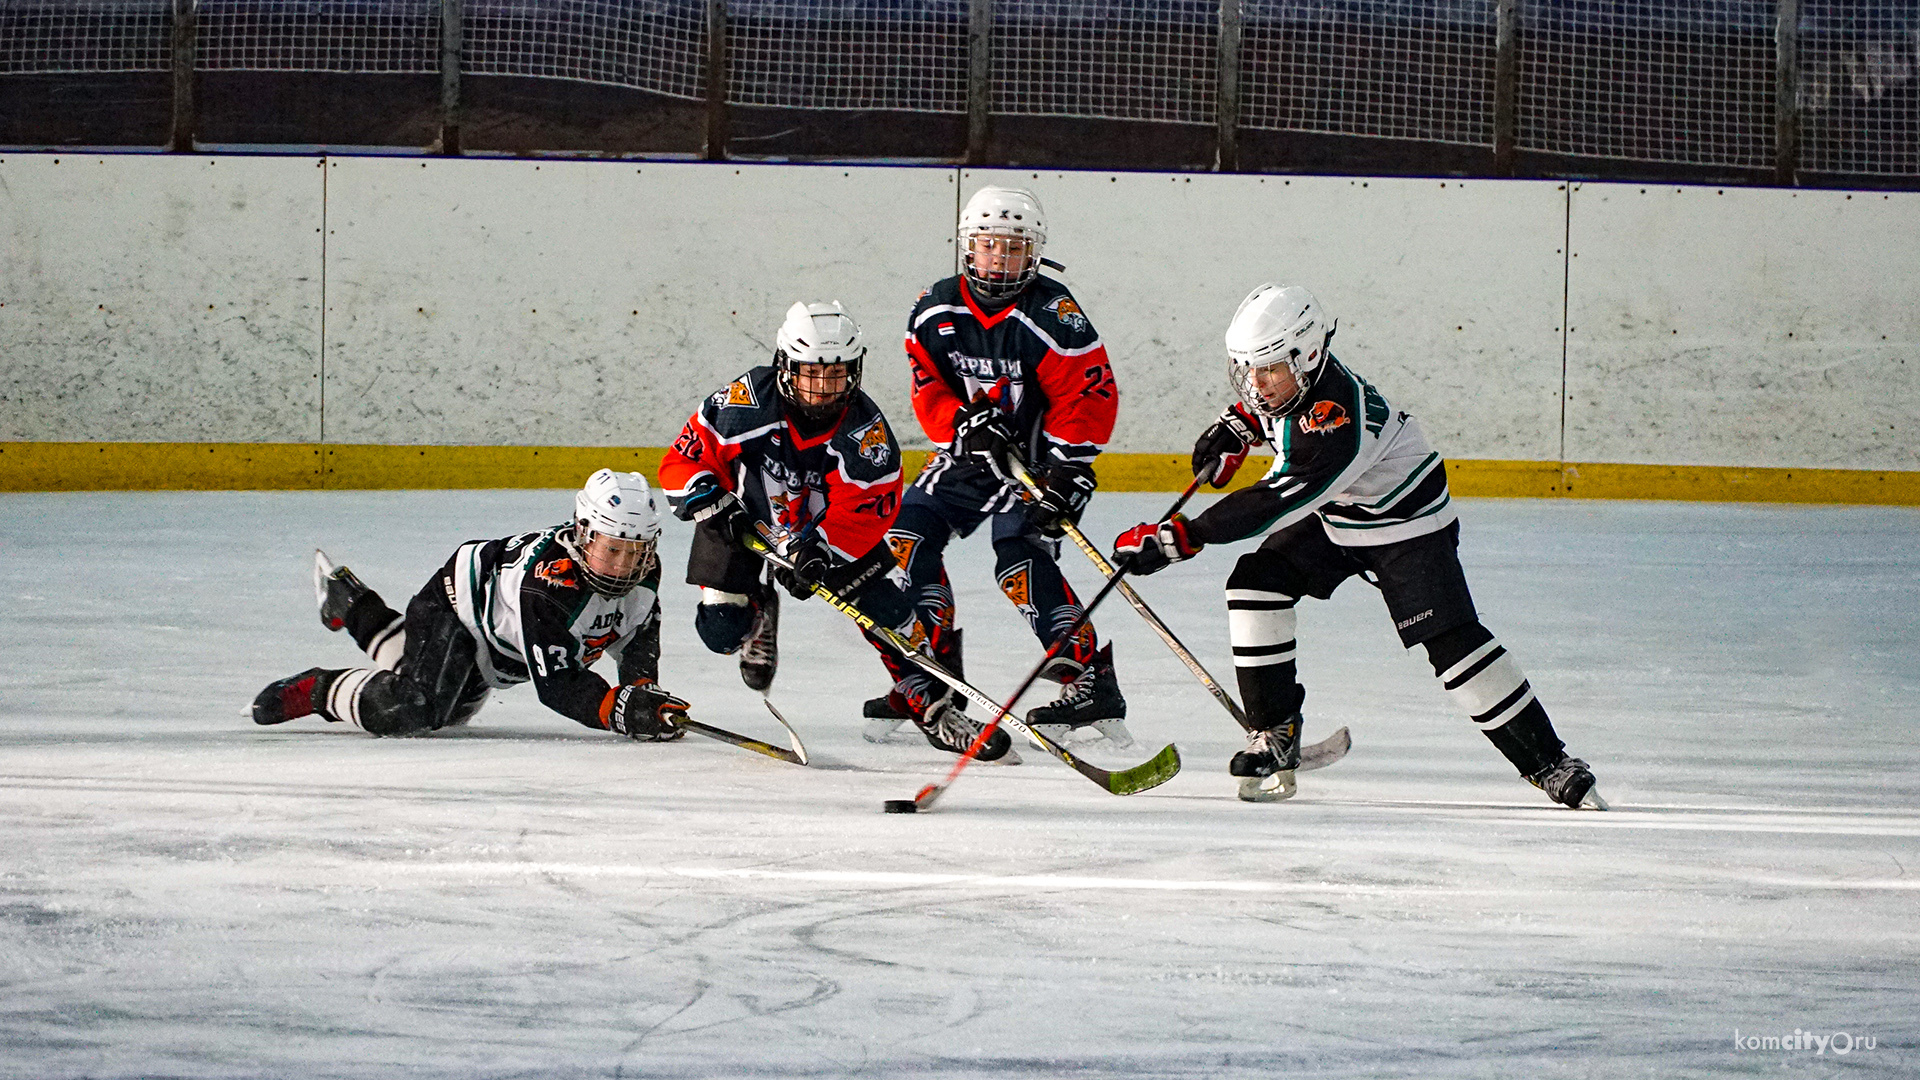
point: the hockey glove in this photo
(707, 503)
(1069, 487)
(983, 432)
(1149, 548)
(1224, 446)
(641, 710)
(811, 563)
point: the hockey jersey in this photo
(1350, 457)
(842, 484)
(535, 619)
(1038, 358)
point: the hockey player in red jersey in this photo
(1005, 362)
(538, 607)
(1354, 490)
(796, 449)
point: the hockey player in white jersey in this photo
(538, 607)
(1355, 489)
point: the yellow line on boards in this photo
(123, 466)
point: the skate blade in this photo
(1011, 757)
(1592, 800)
(1276, 788)
(1112, 732)
(879, 731)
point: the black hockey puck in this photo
(902, 806)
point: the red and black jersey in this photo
(1039, 358)
(843, 482)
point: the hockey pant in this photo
(427, 677)
(1427, 596)
(1025, 565)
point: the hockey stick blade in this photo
(799, 748)
(1325, 752)
(744, 743)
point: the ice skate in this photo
(949, 729)
(335, 590)
(1266, 766)
(883, 717)
(290, 698)
(760, 656)
(1569, 782)
(1090, 707)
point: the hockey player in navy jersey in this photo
(1005, 362)
(538, 607)
(797, 451)
(1354, 490)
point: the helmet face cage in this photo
(787, 367)
(1240, 374)
(583, 533)
(998, 285)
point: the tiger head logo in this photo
(902, 545)
(736, 393)
(1323, 417)
(873, 442)
(556, 572)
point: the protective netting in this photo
(1683, 81)
(110, 35)
(656, 45)
(1860, 87)
(1115, 59)
(1402, 69)
(359, 35)
(857, 54)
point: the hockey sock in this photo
(1032, 580)
(379, 630)
(723, 620)
(1260, 626)
(376, 702)
(1486, 684)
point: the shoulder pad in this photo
(748, 403)
(865, 441)
(1051, 305)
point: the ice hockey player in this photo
(538, 607)
(1006, 363)
(797, 447)
(1354, 490)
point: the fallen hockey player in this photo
(538, 607)
(1354, 490)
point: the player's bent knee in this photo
(1264, 571)
(391, 705)
(723, 627)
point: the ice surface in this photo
(184, 894)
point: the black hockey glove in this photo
(1068, 488)
(811, 564)
(1224, 446)
(707, 503)
(641, 710)
(983, 432)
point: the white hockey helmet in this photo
(615, 531)
(818, 334)
(1009, 214)
(1277, 324)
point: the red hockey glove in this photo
(1149, 548)
(641, 710)
(1224, 446)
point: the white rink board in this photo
(594, 303)
(1447, 292)
(159, 298)
(1756, 328)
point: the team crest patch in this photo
(736, 393)
(596, 645)
(558, 572)
(1325, 416)
(1017, 584)
(1068, 312)
(902, 545)
(872, 441)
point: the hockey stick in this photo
(797, 755)
(792, 735)
(1150, 773)
(1320, 754)
(1169, 757)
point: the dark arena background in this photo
(1809, 92)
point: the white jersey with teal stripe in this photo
(1348, 456)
